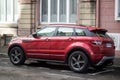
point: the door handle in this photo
(70, 39)
(47, 39)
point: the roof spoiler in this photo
(98, 29)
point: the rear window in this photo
(100, 33)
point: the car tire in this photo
(78, 62)
(17, 56)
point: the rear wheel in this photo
(78, 61)
(17, 56)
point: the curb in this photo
(3, 55)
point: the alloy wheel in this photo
(17, 56)
(78, 61)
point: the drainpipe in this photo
(97, 13)
(31, 19)
(33, 24)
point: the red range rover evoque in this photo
(77, 46)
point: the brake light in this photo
(97, 42)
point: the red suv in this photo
(77, 46)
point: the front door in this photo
(39, 47)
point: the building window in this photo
(62, 11)
(8, 10)
(117, 9)
(58, 11)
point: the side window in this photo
(65, 31)
(48, 31)
(80, 32)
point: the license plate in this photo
(108, 45)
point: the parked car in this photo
(77, 46)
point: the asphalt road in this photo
(33, 70)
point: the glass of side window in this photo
(80, 32)
(46, 32)
(64, 31)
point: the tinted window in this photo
(48, 31)
(100, 33)
(65, 31)
(80, 32)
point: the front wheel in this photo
(17, 56)
(78, 61)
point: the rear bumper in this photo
(106, 59)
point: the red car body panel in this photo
(58, 47)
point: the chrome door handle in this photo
(47, 39)
(70, 39)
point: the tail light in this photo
(97, 42)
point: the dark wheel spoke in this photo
(78, 65)
(19, 54)
(81, 62)
(13, 55)
(16, 52)
(74, 64)
(73, 58)
(78, 57)
(17, 58)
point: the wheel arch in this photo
(15, 45)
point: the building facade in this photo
(23, 17)
(108, 16)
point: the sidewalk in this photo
(117, 54)
(3, 50)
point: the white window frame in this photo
(58, 22)
(12, 16)
(117, 17)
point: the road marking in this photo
(109, 70)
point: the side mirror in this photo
(34, 35)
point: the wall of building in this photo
(7, 31)
(87, 12)
(106, 19)
(107, 16)
(27, 15)
(8, 28)
(24, 21)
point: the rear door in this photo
(64, 37)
